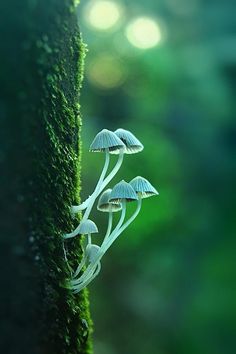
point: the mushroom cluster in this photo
(120, 142)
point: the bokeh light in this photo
(102, 14)
(177, 98)
(106, 72)
(143, 33)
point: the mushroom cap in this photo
(132, 144)
(106, 139)
(143, 187)
(87, 227)
(104, 204)
(91, 251)
(122, 191)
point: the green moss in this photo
(42, 57)
(51, 58)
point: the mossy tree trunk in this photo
(41, 65)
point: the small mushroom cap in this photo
(106, 139)
(91, 251)
(122, 191)
(143, 187)
(104, 204)
(132, 144)
(87, 227)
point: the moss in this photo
(47, 120)
(60, 56)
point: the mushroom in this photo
(91, 253)
(120, 194)
(83, 228)
(76, 288)
(119, 142)
(132, 144)
(108, 207)
(87, 227)
(143, 189)
(108, 142)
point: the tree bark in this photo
(41, 67)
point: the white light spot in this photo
(143, 33)
(102, 14)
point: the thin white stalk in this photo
(88, 203)
(84, 259)
(80, 266)
(85, 279)
(109, 225)
(102, 183)
(98, 187)
(89, 239)
(93, 197)
(77, 288)
(116, 233)
(122, 217)
(113, 171)
(82, 206)
(90, 268)
(88, 272)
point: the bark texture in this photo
(41, 65)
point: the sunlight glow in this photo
(143, 33)
(102, 14)
(106, 72)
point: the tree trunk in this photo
(41, 62)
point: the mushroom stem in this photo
(109, 225)
(102, 183)
(80, 266)
(72, 234)
(122, 217)
(117, 231)
(88, 272)
(86, 257)
(76, 208)
(113, 171)
(89, 239)
(98, 187)
(88, 203)
(90, 268)
(77, 288)
(92, 198)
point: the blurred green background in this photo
(166, 71)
